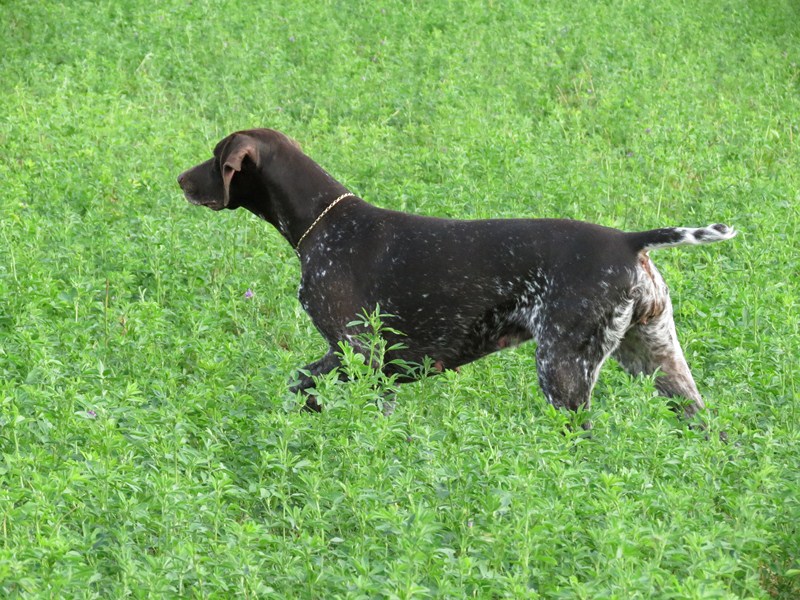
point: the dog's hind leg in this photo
(567, 377)
(568, 358)
(568, 371)
(652, 347)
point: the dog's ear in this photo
(239, 148)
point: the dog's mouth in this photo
(212, 204)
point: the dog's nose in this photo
(180, 178)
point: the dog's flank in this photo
(460, 290)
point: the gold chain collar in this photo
(319, 218)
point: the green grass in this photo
(148, 445)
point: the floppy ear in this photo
(239, 148)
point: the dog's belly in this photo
(457, 324)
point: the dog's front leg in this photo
(324, 365)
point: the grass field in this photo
(148, 445)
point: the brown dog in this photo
(460, 290)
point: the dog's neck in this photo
(293, 204)
(319, 218)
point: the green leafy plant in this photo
(369, 371)
(145, 446)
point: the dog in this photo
(459, 290)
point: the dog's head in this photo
(222, 182)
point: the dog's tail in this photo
(679, 236)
